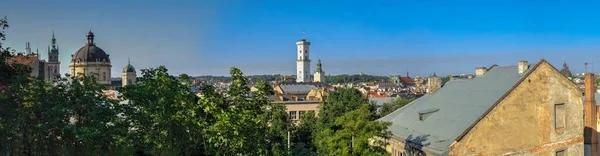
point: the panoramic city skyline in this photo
(207, 38)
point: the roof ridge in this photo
(525, 75)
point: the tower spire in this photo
(319, 69)
(303, 35)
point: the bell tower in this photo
(303, 61)
(319, 74)
(53, 61)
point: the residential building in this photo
(434, 83)
(33, 61)
(512, 110)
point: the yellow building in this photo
(128, 75)
(299, 98)
(512, 110)
(91, 60)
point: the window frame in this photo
(560, 116)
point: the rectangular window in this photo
(559, 116)
(292, 115)
(300, 113)
(561, 153)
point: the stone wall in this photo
(524, 122)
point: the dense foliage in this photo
(393, 105)
(160, 115)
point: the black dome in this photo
(89, 52)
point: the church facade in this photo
(91, 60)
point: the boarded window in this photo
(561, 153)
(559, 116)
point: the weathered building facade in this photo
(514, 110)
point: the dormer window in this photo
(423, 115)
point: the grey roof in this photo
(297, 88)
(460, 102)
(128, 68)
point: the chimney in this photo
(589, 106)
(523, 65)
(479, 71)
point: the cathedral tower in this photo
(53, 63)
(128, 76)
(319, 74)
(303, 61)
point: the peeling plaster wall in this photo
(524, 122)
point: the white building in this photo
(303, 61)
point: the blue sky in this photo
(376, 37)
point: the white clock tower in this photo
(303, 61)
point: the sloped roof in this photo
(297, 88)
(459, 104)
(406, 80)
(23, 59)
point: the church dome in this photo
(565, 71)
(90, 52)
(128, 69)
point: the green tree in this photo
(303, 135)
(89, 117)
(394, 105)
(340, 102)
(354, 131)
(239, 119)
(163, 114)
(335, 124)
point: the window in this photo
(559, 116)
(426, 113)
(292, 115)
(104, 76)
(561, 153)
(300, 113)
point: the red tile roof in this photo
(23, 59)
(406, 80)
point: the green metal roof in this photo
(458, 105)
